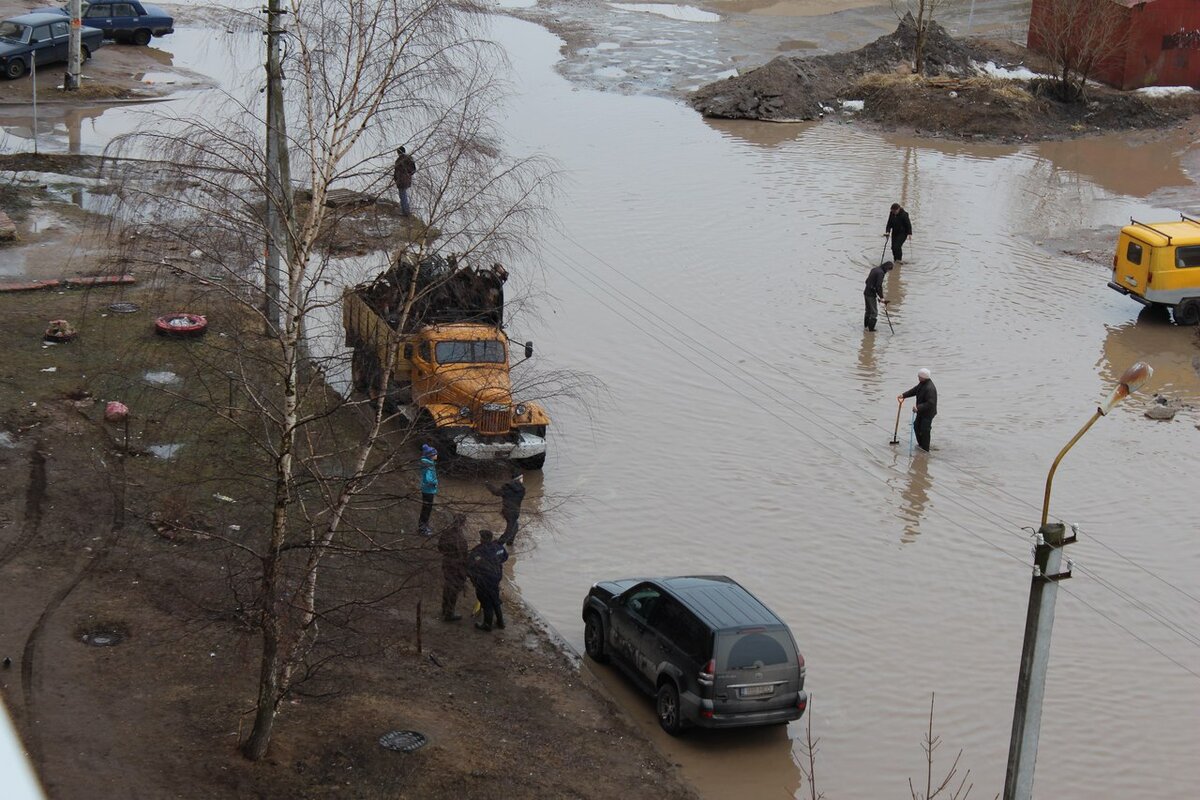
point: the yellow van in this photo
(1158, 264)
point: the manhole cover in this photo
(403, 741)
(103, 638)
(124, 308)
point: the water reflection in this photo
(761, 134)
(915, 495)
(1173, 351)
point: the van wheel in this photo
(1187, 312)
(667, 708)
(593, 638)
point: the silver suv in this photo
(710, 652)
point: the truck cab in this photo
(1158, 264)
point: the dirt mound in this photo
(798, 88)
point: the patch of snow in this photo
(729, 73)
(611, 72)
(1016, 74)
(162, 378)
(6, 440)
(514, 3)
(164, 451)
(670, 11)
(608, 46)
(853, 105)
(1165, 91)
(51, 178)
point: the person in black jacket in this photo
(402, 174)
(873, 293)
(900, 228)
(511, 495)
(453, 547)
(485, 566)
(926, 394)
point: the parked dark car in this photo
(709, 651)
(126, 21)
(41, 33)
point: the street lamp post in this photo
(1039, 620)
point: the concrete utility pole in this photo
(74, 46)
(1035, 658)
(279, 179)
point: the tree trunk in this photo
(268, 689)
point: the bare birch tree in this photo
(922, 14)
(361, 78)
(1078, 36)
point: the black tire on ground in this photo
(15, 69)
(666, 708)
(1187, 312)
(141, 37)
(84, 53)
(593, 638)
(533, 462)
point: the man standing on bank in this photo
(485, 564)
(511, 495)
(873, 293)
(900, 228)
(926, 394)
(403, 175)
(453, 547)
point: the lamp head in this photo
(1131, 380)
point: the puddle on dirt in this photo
(164, 451)
(7, 441)
(162, 378)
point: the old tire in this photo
(593, 638)
(666, 708)
(14, 69)
(141, 37)
(84, 53)
(533, 462)
(181, 325)
(1187, 312)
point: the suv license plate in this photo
(756, 691)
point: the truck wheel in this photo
(1187, 312)
(667, 710)
(533, 462)
(15, 69)
(141, 37)
(593, 638)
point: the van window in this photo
(670, 618)
(1133, 253)
(1187, 256)
(754, 650)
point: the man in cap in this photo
(926, 394)
(511, 495)
(403, 174)
(485, 566)
(429, 487)
(873, 293)
(899, 226)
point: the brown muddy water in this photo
(711, 274)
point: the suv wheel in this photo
(1187, 312)
(593, 638)
(667, 708)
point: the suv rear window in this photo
(1133, 253)
(1187, 256)
(754, 649)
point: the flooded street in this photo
(711, 275)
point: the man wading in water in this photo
(900, 228)
(873, 293)
(926, 394)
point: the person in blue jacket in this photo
(429, 487)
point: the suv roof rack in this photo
(1186, 218)
(1133, 221)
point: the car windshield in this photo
(488, 351)
(13, 32)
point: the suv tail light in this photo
(707, 674)
(803, 669)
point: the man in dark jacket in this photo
(485, 566)
(453, 547)
(403, 175)
(900, 228)
(926, 394)
(511, 495)
(874, 293)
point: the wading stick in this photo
(886, 237)
(896, 433)
(888, 317)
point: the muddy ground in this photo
(952, 98)
(97, 537)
